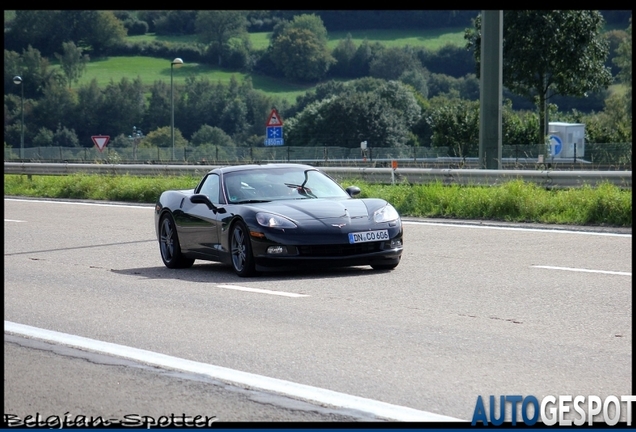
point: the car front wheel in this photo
(242, 257)
(169, 245)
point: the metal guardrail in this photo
(545, 178)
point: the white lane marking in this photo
(288, 388)
(542, 230)
(460, 225)
(262, 291)
(584, 270)
(13, 220)
(149, 206)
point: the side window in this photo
(211, 188)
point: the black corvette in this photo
(259, 217)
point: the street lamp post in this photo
(137, 135)
(177, 62)
(18, 81)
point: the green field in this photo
(151, 69)
(430, 39)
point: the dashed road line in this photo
(262, 291)
(584, 270)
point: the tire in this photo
(169, 245)
(241, 250)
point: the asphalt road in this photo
(472, 309)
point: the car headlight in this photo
(271, 220)
(386, 214)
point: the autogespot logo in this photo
(566, 410)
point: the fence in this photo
(544, 178)
(596, 156)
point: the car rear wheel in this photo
(169, 245)
(242, 257)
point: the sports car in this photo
(276, 216)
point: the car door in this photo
(198, 224)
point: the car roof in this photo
(247, 167)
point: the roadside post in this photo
(394, 166)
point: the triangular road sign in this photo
(274, 119)
(100, 141)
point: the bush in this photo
(162, 49)
(43, 138)
(136, 27)
(64, 137)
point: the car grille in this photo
(339, 250)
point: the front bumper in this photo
(269, 254)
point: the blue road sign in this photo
(274, 136)
(555, 145)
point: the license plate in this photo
(368, 236)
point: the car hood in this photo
(324, 208)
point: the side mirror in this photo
(203, 199)
(353, 191)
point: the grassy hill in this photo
(430, 39)
(151, 69)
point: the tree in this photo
(162, 137)
(176, 22)
(549, 52)
(34, 69)
(320, 92)
(299, 49)
(217, 27)
(55, 107)
(43, 138)
(401, 100)
(12, 67)
(88, 117)
(518, 127)
(300, 55)
(100, 30)
(343, 55)
(455, 124)
(442, 85)
(64, 137)
(46, 30)
(211, 144)
(211, 135)
(38, 28)
(258, 106)
(72, 61)
(122, 107)
(613, 125)
(361, 61)
(202, 102)
(13, 119)
(393, 62)
(614, 39)
(416, 78)
(368, 109)
(234, 117)
(624, 62)
(158, 112)
(151, 17)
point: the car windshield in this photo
(268, 184)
